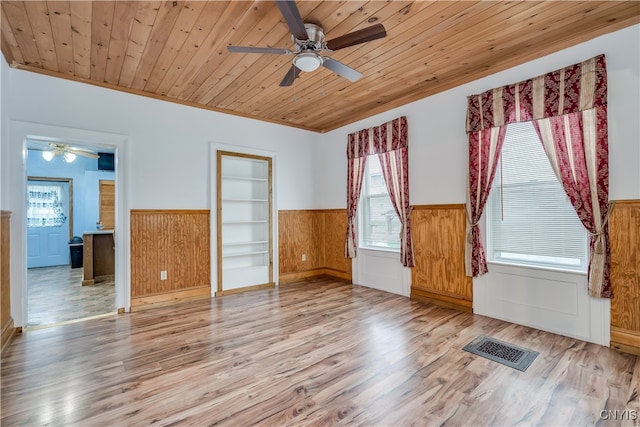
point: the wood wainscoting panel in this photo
(438, 240)
(624, 233)
(319, 236)
(300, 234)
(175, 241)
(6, 321)
(335, 232)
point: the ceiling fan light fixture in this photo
(307, 61)
(69, 157)
(48, 155)
(309, 41)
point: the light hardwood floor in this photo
(56, 295)
(321, 352)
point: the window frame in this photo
(69, 182)
(487, 231)
(363, 210)
(51, 208)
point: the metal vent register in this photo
(507, 354)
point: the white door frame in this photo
(20, 132)
(214, 147)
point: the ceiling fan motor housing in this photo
(315, 41)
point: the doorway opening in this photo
(63, 211)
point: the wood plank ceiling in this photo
(176, 50)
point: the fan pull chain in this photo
(322, 90)
(294, 86)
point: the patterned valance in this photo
(571, 89)
(387, 137)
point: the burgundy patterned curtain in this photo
(355, 172)
(484, 152)
(390, 142)
(395, 169)
(579, 159)
(568, 108)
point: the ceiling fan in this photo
(67, 151)
(309, 42)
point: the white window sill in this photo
(379, 249)
(538, 267)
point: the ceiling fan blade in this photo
(86, 150)
(290, 13)
(365, 35)
(290, 77)
(253, 49)
(83, 153)
(342, 70)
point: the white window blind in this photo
(379, 223)
(530, 219)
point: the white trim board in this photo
(19, 133)
(218, 146)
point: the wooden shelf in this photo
(251, 242)
(253, 267)
(244, 200)
(244, 254)
(244, 178)
(261, 221)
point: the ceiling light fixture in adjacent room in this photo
(48, 155)
(69, 157)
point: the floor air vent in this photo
(508, 354)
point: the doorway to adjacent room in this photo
(64, 203)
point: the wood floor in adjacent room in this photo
(319, 353)
(55, 294)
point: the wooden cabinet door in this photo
(108, 204)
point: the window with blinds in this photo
(530, 219)
(379, 223)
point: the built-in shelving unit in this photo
(244, 221)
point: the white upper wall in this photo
(4, 131)
(438, 142)
(169, 151)
(169, 143)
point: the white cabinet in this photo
(244, 221)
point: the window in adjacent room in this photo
(379, 223)
(45, 206)
(530, 219)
